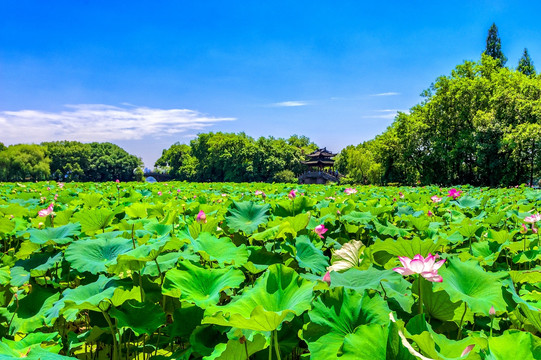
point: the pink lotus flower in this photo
(454, 193)
(467, 350)
(435, 199)
(258, 192)
(327, 278)
(46, 212)
(178, 191)
(350, 191)
(159, 193)
(426, 267)
(117, 181)
(320, 230)
(61, 185)
(429, 213)
(492, 311)
(401, 195)
(533, 218)
(524, 229)
(292, 194)
(201, 217)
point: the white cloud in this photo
(291, 103)
(98, 122)
(386, 94)
(385, 114)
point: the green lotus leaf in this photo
(234, 349)
(198, 285)
(260, 259)
(136, 259)
(468, 282)
(97, 296)
(34, 346)
(94, 220)
(390, 282)
(435, 345)
(185, 320)
(5, 275)
(6, 225)
(247, 216)
(29, 312)
(94, 255)
(158, 229)
(468, 229)
(408, 248)
(347, 323)
(500, 237)
(136, 211)
(310, 257)
(347, 256)
(91, 200)
(357, 217)
(532, 276)
(141, 318)
(278, 295)
(221, 250)
(514, 345)
(58, 235)
(438, 304)
(166, 262)
(468, 202)
(36, 265)
(391, 229)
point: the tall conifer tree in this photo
(525, 64)
(494, 45)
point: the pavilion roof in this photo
(321, 153)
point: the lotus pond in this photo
(259, 271)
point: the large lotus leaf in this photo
(468, 282)
(247, 216)
(310, 257)
(468, 202)
(514, 345)
(408, 248)
(438, 304)
(391, 229)
(198, 285)
(260, 259)
(234, 349)
(467, 228)
(29, 312)
(531, 276)
(167, 261)
(5, 276)
(220, 249)
(347, 256)
(91, 200)
(339, 321)
(136, 211)
(278, 295)
(94, 255)
(36, 265)
(500, 237)
(185, 320)
(96, 296)
(357, 217)
(34, 346)
(59, 235)
(435, 345)
(94, 220)
(389, 282)
(141, 318)
(136, 259)
(6, 225)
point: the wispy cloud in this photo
(386, 94)
(98, 122)
(291, 103)
(384, 114)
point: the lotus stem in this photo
(459, 336)
(270, 345)
(276, 345)
(419, 279)
(113, 332)
(491, 324)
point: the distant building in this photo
(320, 168)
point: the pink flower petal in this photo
(417, 266)
(467, 350)
(403, 271)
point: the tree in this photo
(108, 162)
(69, 160)
(525, 64)
(178, 162)
(24, 162)
(494, 45)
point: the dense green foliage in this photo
(67, 161)
(480, 125)
(236, 157)
(135, 271)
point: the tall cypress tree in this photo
(494, 45)
(525, 64)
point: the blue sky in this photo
(145, 74)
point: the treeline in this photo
(481, 125)
(236, 157)
(68, 161)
